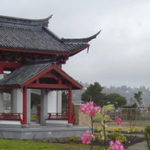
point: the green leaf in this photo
(108, 107)
(97, 116)
(107, 118)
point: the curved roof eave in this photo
(81, 40)
(49, 52)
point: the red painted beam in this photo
(8, 87)
(48, 86)
(10, 65)
(44, 51)
(36, 77)
(61, 72)
(50, 75)
(66, 76)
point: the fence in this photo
(132, 115)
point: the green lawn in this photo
(30, 145)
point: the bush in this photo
(133, 130)
(118, 136)
(97, 138)
(73, 139)
(147, 136)
(116, 129)
(126, 130)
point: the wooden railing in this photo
(11, 116)
(60, 116)
(57, 116)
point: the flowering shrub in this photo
(118, 121)
(89, 108)
(101, 114)
(87, 137)
(117, 145)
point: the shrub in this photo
(118, 136)
(73, 138)
(116, 129)
(97, 138)
(132, 130)
(147, 136)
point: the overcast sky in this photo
(120, 55)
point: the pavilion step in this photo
(34, 125)
(57, 125)
(10, 126)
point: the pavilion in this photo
(34, 56)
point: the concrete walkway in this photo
(139, 146)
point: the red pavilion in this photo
(34, 56)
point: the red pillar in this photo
(1, 70)
(70, 119)
(24, 106)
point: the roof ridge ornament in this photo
(7, 20)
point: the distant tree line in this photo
(122, 96)
(131, 93)
(95, 93)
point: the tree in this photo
(138, 97)
(94, 93)
(115, 99)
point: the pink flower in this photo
(87, 137)
(89, 108)
(118, 121)
(117, 145)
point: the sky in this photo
(120, 55)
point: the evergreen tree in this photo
(94, 93)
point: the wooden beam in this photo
(50, 75)
(59, 71)
(8, 87)
(67, 77)
(44, 52)
(48, 86)
(10, 65)
(32, 51)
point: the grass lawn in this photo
(30, 145)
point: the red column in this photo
(24, 106)
(70, 119)
(1, 69)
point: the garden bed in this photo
(131, 140)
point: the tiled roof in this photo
(24, 73)
(30, 70)
(16, 33)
